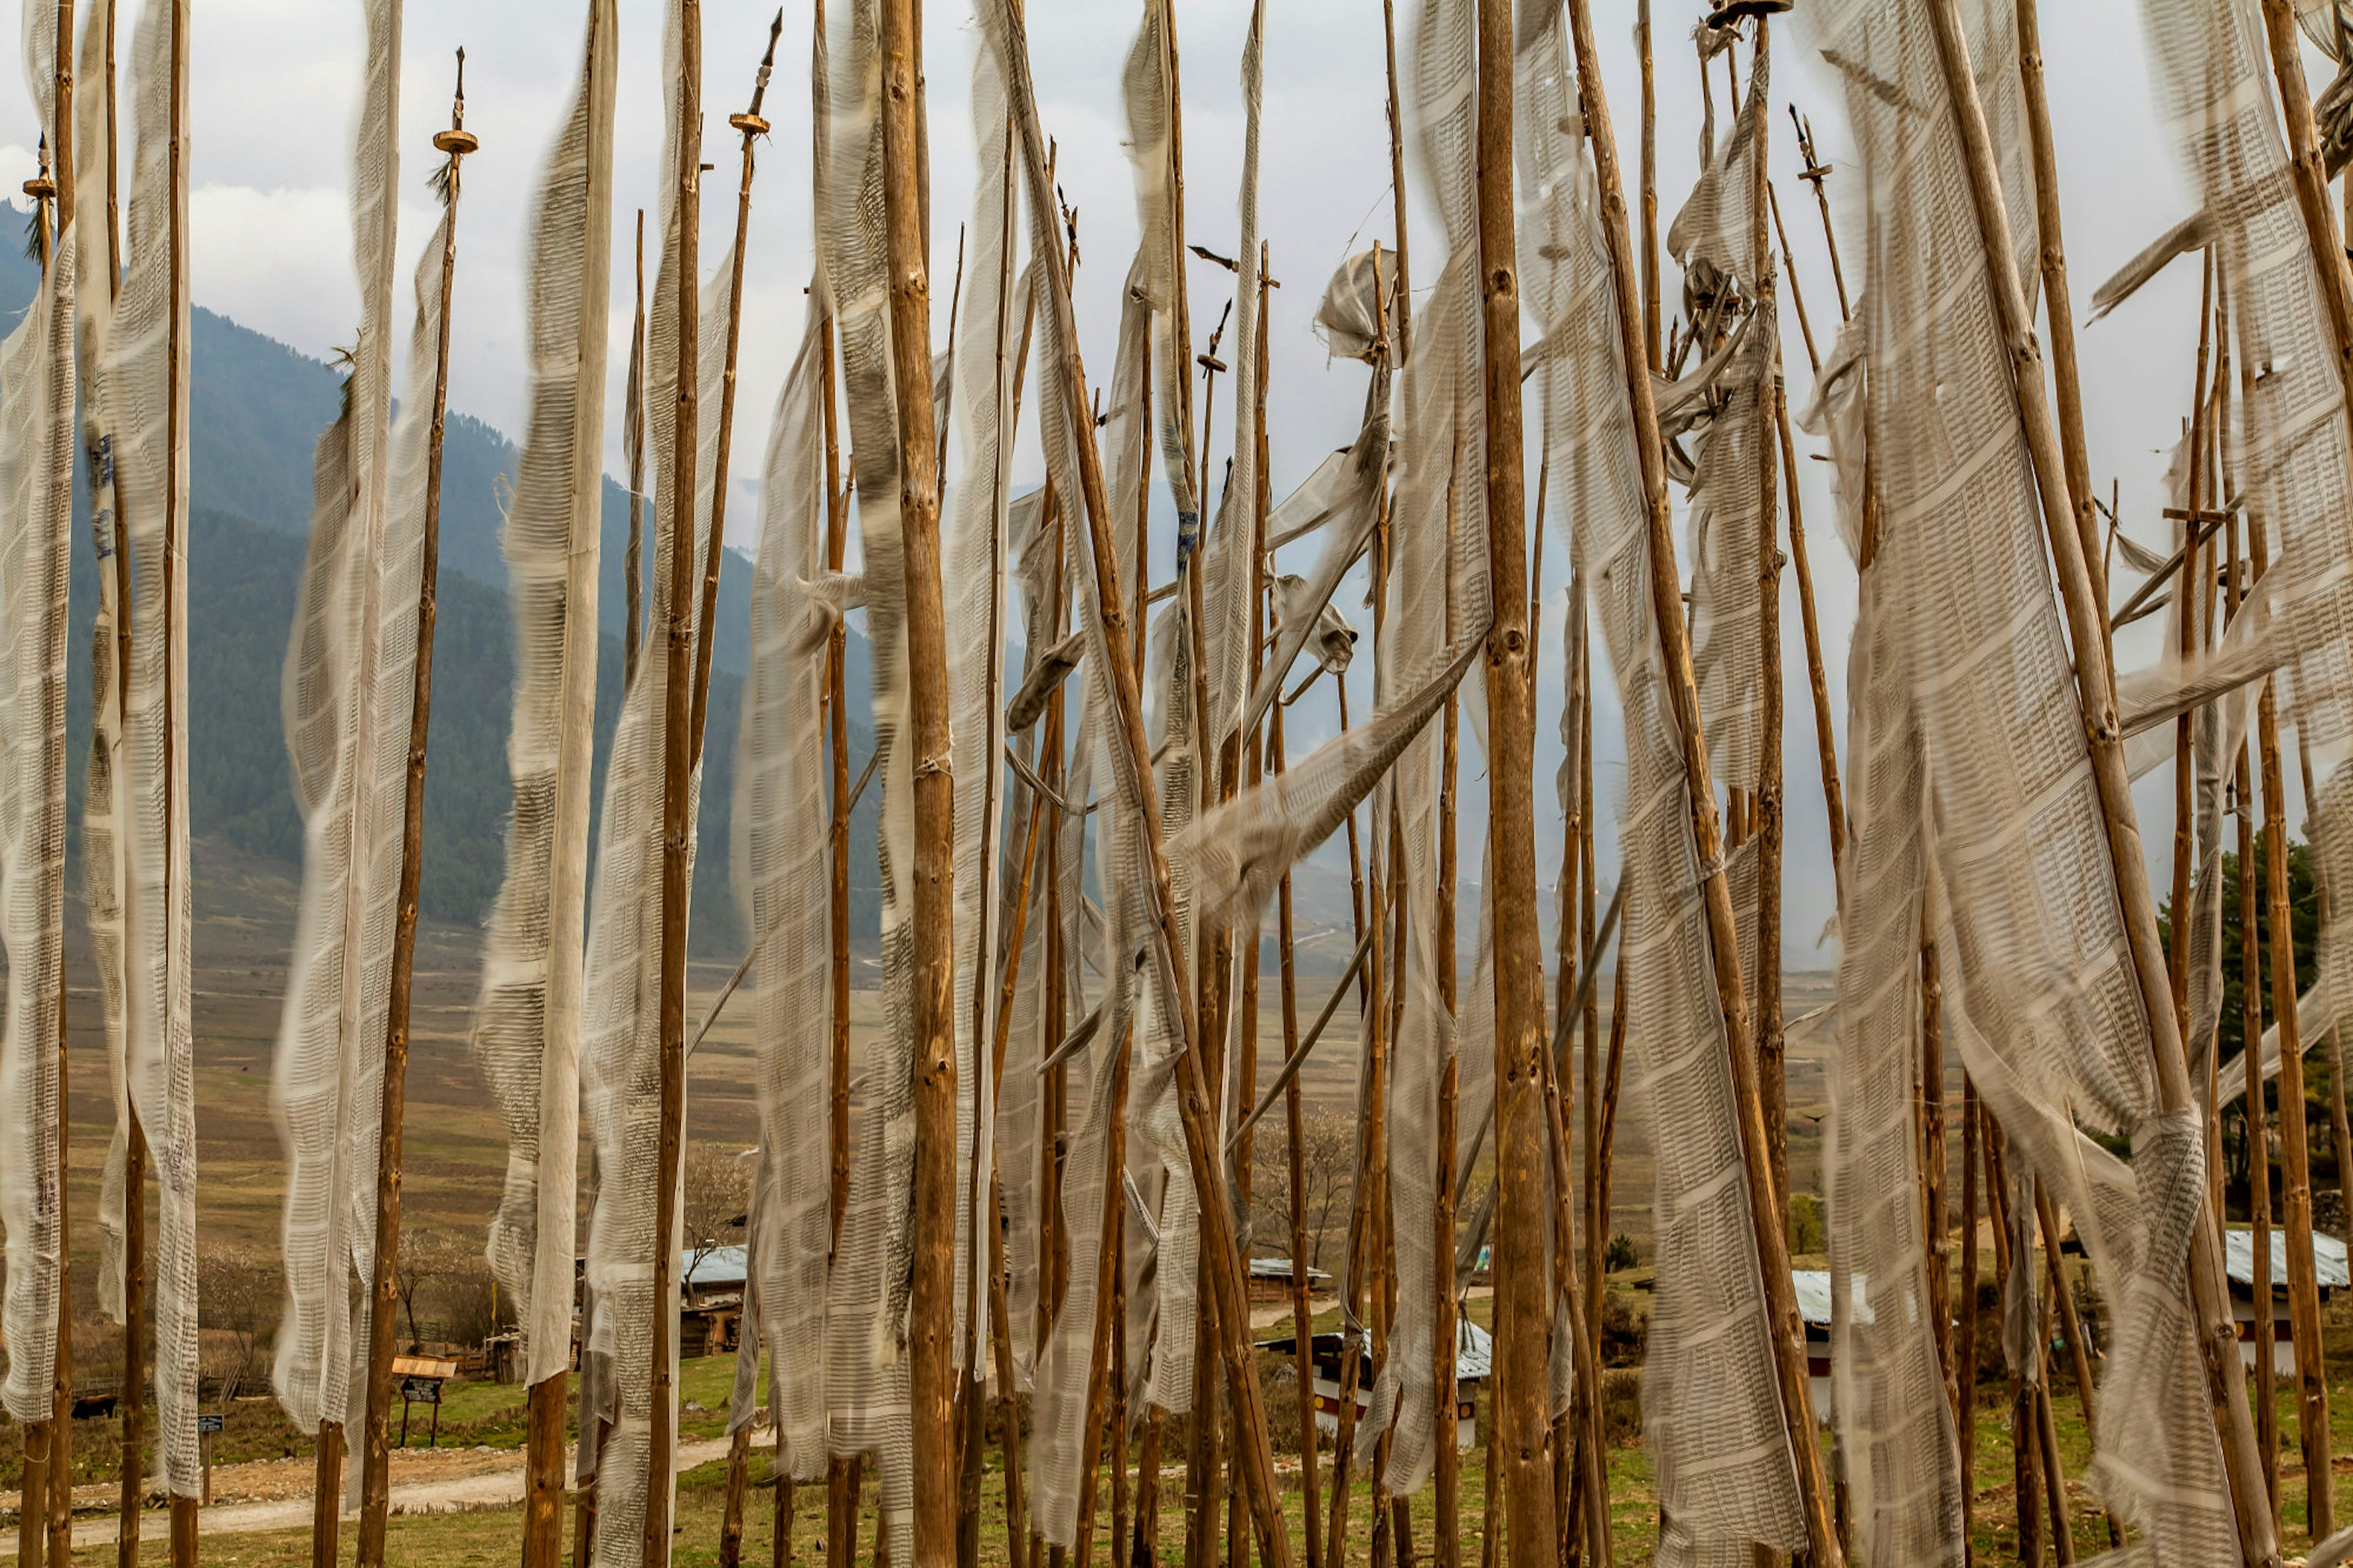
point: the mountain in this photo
(257, 409)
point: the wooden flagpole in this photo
(2296, 1165)
(2218, 1335)
(840, 1474)
(1295, 1139)
(633, 569)
(1653, 350)
(1366, 894)
(40, 1436)
(2067, 382)
(932, 1318)
(2259, 1171)
(1522, 1319)
(175, 544)
(1401, 290)
(544, 1498)
(134, 1217)
(2026, 1473)
(57, 1508)
(1772, 1241)
(752, 127)
(2186, 600)
(1965, 1339)
(677, 767)
(1932, 1143)
(1766, 805)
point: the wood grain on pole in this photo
(54, 1508)
(1932, 1146)
(1294, 1153)
(1653, 352)
(2186, 600)
(1767, 803)
(2296, 1160)
(2217, 1332)
(2257, 1113)
(1522, 1318)
(1817, 675)
(2025, 1461)
(931, 1323)
(2311, 179)
(1367, 898)
(633, 568)
(1667, 611)
(1964, 1338)
(677, 823)
(2067, 382)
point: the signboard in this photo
(207, 1425)
(421, 1390)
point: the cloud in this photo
(275, 84)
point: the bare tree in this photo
(717, 1194)
(1327, 1159)
(242, 1291)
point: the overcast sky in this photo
(275, 84)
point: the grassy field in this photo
(447, 1540)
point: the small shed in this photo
(710, 1301)
(1273, 1280)
(1812, 1289)
(2328, 1264)
(1474, 1359)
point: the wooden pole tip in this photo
(456, 143)
(749, 124)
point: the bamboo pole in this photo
(1772, 1240)
(2067, 382)
(2095, 684)
(751, 126)
(55, 1508)
(1446, 1525)
(1965, 1347)
(2296, 1166)
(1521, 1319)
(931, 1317)
(2256, 1109)
(1295, 1136)
(1372, 1128)
(840, 1478)
(633, 419)
(2185, 601)
(1218, 1239)
(1817, 678)
(1814, 174)
(2311, 177)
(543, 1500)
(1597, 1221)
(1653, 353)
(1402, 284)
(677, 766)
(32, 1515)
(2046, 1424)
(2025, 1458)
(1580, 1470)
(175, 544)
(1766, 805)
(2070, 1324)
(1932, 1144)
(133, 1400)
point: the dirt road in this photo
(275, 1494)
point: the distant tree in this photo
(243, 1291)
(716, 1195)
(1327, 1160)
